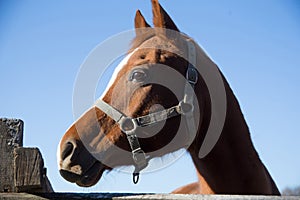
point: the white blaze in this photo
(122, 64)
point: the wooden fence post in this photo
(11, 137)
(21, 169)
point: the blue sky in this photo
(255, 43)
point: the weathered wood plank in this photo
(20, 196)
(204, 197)
(11, 136)
(124, 196)
(29, 171)
(21, 169)
(28, 168)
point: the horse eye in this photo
(138, 76)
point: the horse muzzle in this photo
(77, 165)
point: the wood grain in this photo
(21, 169)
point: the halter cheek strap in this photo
(192, 78)
(129, 125)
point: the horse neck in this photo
(233, 165)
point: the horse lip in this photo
(91, 176)
(69, 176)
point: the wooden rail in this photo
(120, 196)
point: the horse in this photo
(113, 133)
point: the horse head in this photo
(141, 113)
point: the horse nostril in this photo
(68, 149)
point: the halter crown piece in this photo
(129, 125)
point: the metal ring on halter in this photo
(135, 177)
(185, 108)
(128, 125)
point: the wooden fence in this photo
(23, 175)
(116, 196)
(21, 169)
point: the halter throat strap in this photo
(129, 125)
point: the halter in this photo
(129, 125)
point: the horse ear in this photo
(140, 23)
(161, 19)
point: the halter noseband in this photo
(129, 125)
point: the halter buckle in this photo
(139, 158)
(192, 75)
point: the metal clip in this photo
(139, 157)
(135, 177)
(192, 75)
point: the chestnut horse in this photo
(98, 140)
